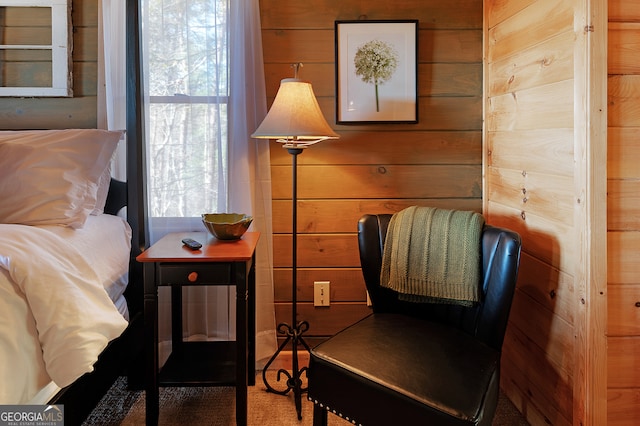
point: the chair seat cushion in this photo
(426, 371)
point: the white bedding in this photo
(57, 316)
(105, 242)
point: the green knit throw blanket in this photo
(433, 255)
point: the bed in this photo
(70, 299)
(119, 343)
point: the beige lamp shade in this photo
(295, 117)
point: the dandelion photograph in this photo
(376, 71)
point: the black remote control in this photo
(192, 244)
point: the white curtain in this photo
(204, 96)
(112, 90)
(247, 108)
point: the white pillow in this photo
(50, 177)
(104, 181)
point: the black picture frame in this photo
(376, 71)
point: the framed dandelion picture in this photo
(376, 71)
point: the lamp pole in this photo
(294, 330)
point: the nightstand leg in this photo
(252, 322)
(151, 343)
(242, 352)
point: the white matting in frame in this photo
(376, 71)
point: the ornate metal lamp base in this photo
(294, 379)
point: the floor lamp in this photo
(295, 120)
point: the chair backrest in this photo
(486, 320)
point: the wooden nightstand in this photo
(169, 263)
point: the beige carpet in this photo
(215, 406)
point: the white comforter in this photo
(55, 315)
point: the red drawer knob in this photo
(192, 277)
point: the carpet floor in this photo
(215, 406)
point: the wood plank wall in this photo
(80, 111)
(624, 213)
(529, 187)
(371, 168)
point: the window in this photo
(35, 48)
(187, 48)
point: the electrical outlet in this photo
(321, 294)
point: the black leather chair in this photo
(412, 363)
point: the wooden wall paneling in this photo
(445, 113)
(544, 195)
(48, 113)
(497, 11)
(20, 17)
(542, 389)
(450, 79)
(35, 73)
(379, 181)
(624, 257)
(347, 284)
(624, 10)
(85, 78)
(317, 250)
(85, 13)
(443, 47)
(540, 21)
(323, 13)
(623, 407)
(316, 73)
(435, 113)
(324, 321)
(24, 33)
(551, 104)
(550, 61)
(26, 70)
(79, 111)
(522, 399)
(623, 210)
(624, 48)
(318, 46)
(545, 240)
(623, 105)
(450, 46)
(548, 286)
(590, 272)
(623, 314)
(546, 330)
(547, 151)
(289, 46)
(326, 216)
(623, 364)
(388, 147)
(623, 154)
(623, 207)
(373, 168)
(85, 41)
(440, 52)
(523, 160)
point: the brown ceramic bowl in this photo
(226, 226)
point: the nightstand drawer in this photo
(195, 274)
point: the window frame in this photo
(61, 47)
